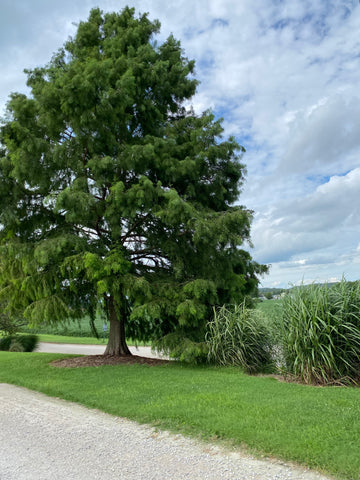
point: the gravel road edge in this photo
(43, 437)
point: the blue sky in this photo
(284, 75)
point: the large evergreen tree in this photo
(114, 195)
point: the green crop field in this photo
(77, 328)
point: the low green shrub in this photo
(28, 343)
(182, 348)
(5, 343)
(321, 333)
(238, 335)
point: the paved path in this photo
(43, 438)
(76, 348)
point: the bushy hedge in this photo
(181, 348)
(25, 343)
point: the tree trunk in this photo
(117, 341)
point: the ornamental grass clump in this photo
(238, 335)
(321, 333)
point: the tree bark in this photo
(117, 341)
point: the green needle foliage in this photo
(10, 324)
(321, 333)
(114, 196)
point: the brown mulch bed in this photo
(100, 360)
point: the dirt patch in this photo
(100, 360)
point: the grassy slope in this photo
(43, 337)
(319, 427)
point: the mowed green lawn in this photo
(318, 427)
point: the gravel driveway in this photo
(43, 438)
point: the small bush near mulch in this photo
(180, 348)
(19, 343)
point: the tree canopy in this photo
(115, 195)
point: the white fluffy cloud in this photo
(316, 233)
(325, 139)
(284, 75)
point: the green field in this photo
(75, 328)
(271, 308)
(81, 328)
(43, 337)
(318, 427)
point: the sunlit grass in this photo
(318, 427)
(64, 339)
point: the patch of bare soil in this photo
(100, 360)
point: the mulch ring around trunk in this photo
(100, 360)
